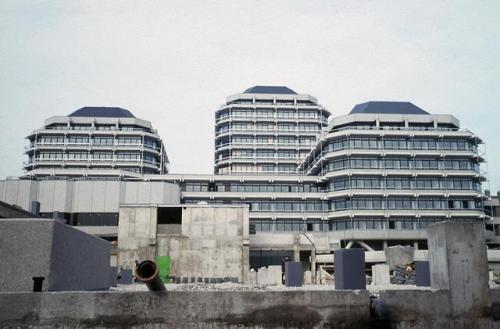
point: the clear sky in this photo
(173, 63)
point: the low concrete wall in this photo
(186, 309)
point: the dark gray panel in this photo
(294, 274)
(422, 274)
(350, 269)
(387, 108)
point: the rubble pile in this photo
(403, 275)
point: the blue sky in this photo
(173, 63)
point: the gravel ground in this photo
(229, 286)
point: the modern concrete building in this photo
(376, 177)
(266, 130)
(95, 138)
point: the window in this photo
(129, 140)
(78, 139)
(102, 156)
(102, 141)
(128, 156)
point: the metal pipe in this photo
(148, 272)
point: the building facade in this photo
(376, 177)
(266, 130)
(96, 138)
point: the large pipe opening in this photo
(148, 272)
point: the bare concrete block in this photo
(275, 275)
(307, 277)
(67, 258)
(262, 276)
(458, 263)
(399, 255)
(252, 277)
(380, 274)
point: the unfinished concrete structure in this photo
(463, 274)
(202, 241)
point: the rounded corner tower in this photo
(266, 130)
(95, 140)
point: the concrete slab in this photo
(381, 274)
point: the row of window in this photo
(283, 154)
(405, 183)
(247, 126)
(400, 144)
(403, 203)
(259, 168)
(59, 126)
(397, 126)
(119, 156)
(96, 140)
(285, 140)
(340, 184)
(373, 203)
(240, 187)
(269, 113)
(400, 163)
(291, 225)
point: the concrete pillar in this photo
(458, 263)
(313, 266)
(275, 275)
(296, 248)
(262, 277)
(252, 277)
(380, 274)
(307, 277)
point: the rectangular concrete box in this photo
(350, 269)
(294, 274)
(67, 258)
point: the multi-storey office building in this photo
(377, 176)
(96, 138)
(266, 129)
(391, 165)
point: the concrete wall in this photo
(86, 196)
(213, 243)
(67, 258)
(136, 235)
(202, 309)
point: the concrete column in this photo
(458, 263)
(380, 274)
(313, 266)
(296, 248)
